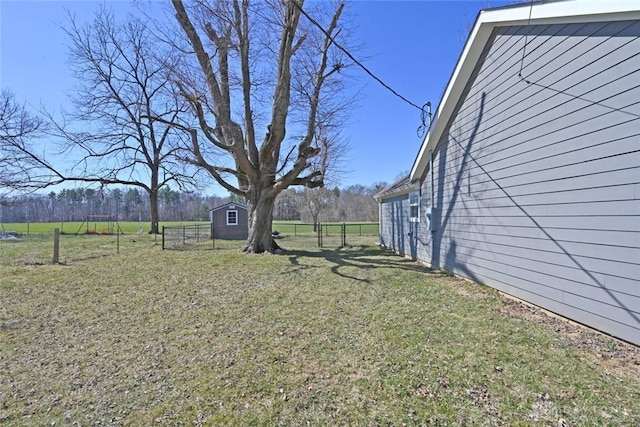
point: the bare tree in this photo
(286, 205)
(262, 69)
(123, 104)
(20, 169)
(315, 201)
(356, 202)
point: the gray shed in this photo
(529, 178)
(229, 221)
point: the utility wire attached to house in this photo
(423, 115)
(526, 41)
(530, 82)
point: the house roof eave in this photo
(563, 11)
(470, 54)
(397, 188)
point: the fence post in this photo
(344, 234)
(56, 245)
(163, 237)
(319, 233)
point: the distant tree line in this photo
(353, 203)
(122, 204)
(313, 205)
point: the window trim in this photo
(414, 205)
(237, 219)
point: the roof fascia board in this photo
(399, 192)
(470, 55)
(385, 196)
(570, 11)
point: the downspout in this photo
(380, 222)
(433, 189)
(432, 225)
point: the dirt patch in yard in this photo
(606, 350)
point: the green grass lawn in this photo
(355, 336)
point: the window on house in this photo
(232, 217)
(414, 207)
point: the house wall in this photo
(220, 229)
(537, 179)
(394, 224)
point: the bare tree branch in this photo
(127, 104)
(229, 94)
(21, 170)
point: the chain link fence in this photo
(187, 237)
(327, 235)
(48, 248)
(339, 235)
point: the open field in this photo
(354, 336)
(294, 227)
(286, 227)
(131, 227)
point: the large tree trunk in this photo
(155, 216)
(260, 239)
(262, 171)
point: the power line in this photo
(358, 63)
(527, 80)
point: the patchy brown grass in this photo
(354, 336)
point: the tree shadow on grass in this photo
(361, 257)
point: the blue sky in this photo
(411, 45)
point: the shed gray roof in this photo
(240, 205)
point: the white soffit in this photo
(568, 11)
